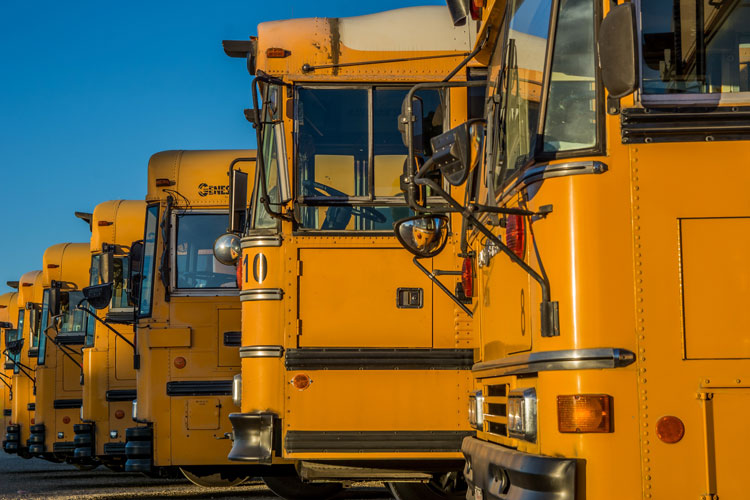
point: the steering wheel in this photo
(337, 219)
(195, 276)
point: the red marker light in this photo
(179, 362)
(66, 419)
(119, 414)
(515, 234)
(475, 8)
(164, 182)
(467, 277)
(239, 272)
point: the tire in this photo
(291, 487)
(449, 486)
(212, 480)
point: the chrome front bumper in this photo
(494, 472)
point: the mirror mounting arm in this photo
(550, 321)
(433, 278)
(97, 318)
(21, 367)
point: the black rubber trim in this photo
(685, 124)
(31, 407)
(64, 447)
(374, 441)
(7, 412)
(379, 359)
(69, 339)
(114, 449)
(232, 339)
(64, 404)
(34, 352)
(120, 395)
(199, 388)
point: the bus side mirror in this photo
(417, 118)
(423, 235)
(237, 200)
(54, 300)
(457, 151)
(98, 296)
(106, 263)
(134, 272)
(618, 51)
(252, 116)
(459, 10)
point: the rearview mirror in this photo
(227, 249)
(252, 116)
(417, 118)
(98, 296)
(237, 199)
(106, 263)
(457, 151)
(134, 271)
(423, 235)
(54, 299)
(617, 51)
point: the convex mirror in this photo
(423, 235)
(227, 249)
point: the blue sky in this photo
(89, 90)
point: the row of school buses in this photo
(570, 179)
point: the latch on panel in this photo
(409, 298)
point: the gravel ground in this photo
(39, 479)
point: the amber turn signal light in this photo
(581, 413)
(301, 381)
(670, 429)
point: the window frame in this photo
(43, 325)
(687, 99)
(191, 292)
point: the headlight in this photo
(135, 410)
(237, 389)
(476, 410)
(522, 414)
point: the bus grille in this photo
(496, 409)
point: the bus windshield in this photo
(695, 47)
(350, 155)
(195, 264)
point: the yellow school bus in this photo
(108, 370)
(21, 355)
(57, 347)
(187, 345)
(355, 364)
(7, 300)
(614, 352)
